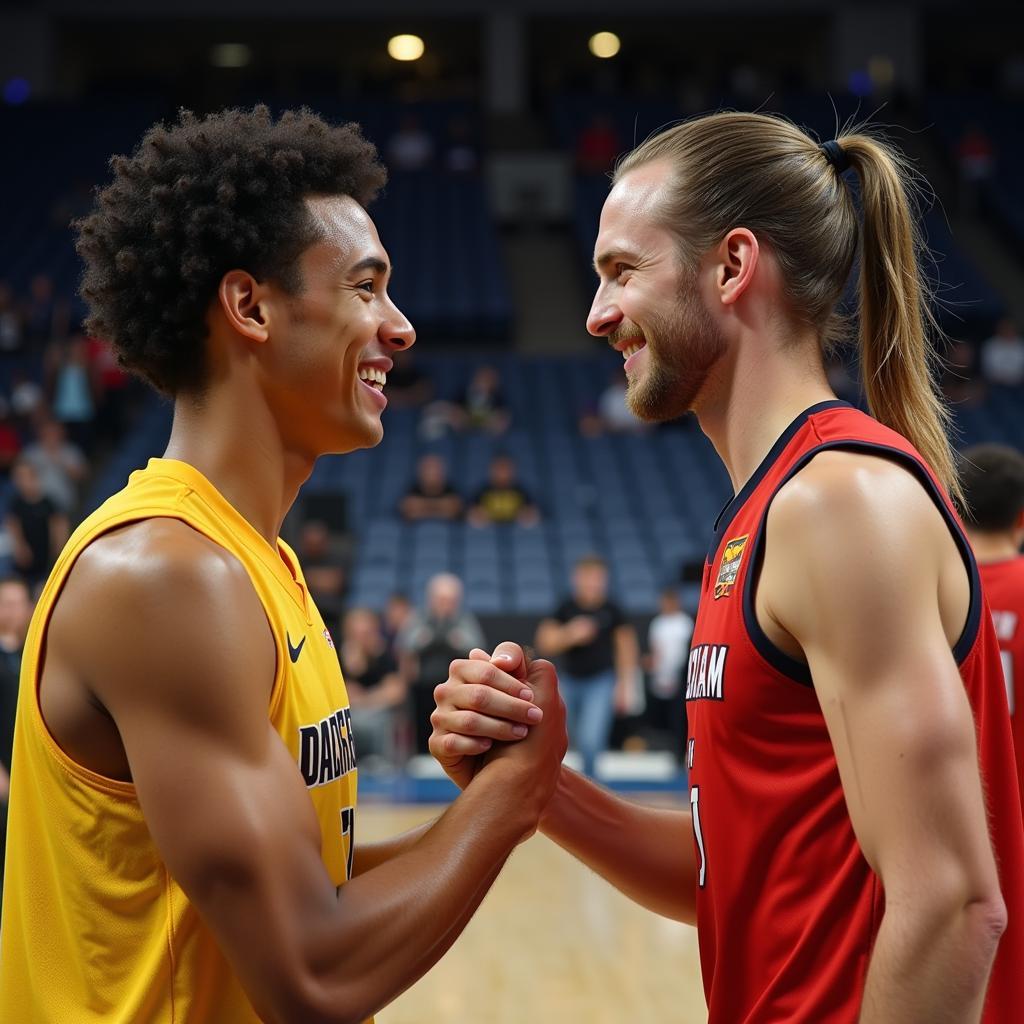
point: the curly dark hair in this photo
(195, 200)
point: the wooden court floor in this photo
(551, 944)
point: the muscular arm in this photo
(645, 852)
(875, 616)
(167, 630)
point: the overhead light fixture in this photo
(230, 55)
(604, 44)
(405, 47)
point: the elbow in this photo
(986, 919)
(314, 999)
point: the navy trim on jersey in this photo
(726, 516)
(799, 671)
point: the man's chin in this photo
(653, 410)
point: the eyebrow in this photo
(378, 266)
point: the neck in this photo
(749, 401)
(993, 547)
(232, 439)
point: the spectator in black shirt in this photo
(598, 658)
(376, 687)
(37, 529)
(502, 500)
(431, 496)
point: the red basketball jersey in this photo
(787, 907)
(1003, 583)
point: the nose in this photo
(396, 331)
(604, 316)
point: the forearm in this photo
(371, 855)
(929, 966)
(627, 657)
(396, 920)
(553, 639)
(645, 852)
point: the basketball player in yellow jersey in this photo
(183, 838)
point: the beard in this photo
(681, 350)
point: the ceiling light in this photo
(405, 47)
(604, 44)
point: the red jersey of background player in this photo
(787, 906)
(1003, 583)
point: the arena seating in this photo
(646, 502)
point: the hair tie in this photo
(836, 155)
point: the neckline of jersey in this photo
(276, 559)
(740, 498)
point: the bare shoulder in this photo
(159, 598)
(849, 495)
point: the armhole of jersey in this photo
(798, 671)
(114, 787)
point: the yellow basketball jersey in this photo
(94, 928)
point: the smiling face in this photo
(329, 346)
(647, 304)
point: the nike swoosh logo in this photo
(294, 652)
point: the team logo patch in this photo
(730, 567)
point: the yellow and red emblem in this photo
(730, 567)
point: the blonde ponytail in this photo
(898, 360)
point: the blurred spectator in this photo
(397, 615)
(10, 439)
(613, 413)
(460, 152)
(598, 658)
(45, 317)
(11, 331)
(410, 148)
(480, 407)
(434, 637)
(37, 528)
(322, 567)
(1002, 356)
(376, 688)
(15, 613)
(431, 496)
(598, 146)
(114, 388)
(60, 465)
(976, 161)
(27, 401)
(484, 403)
(668, 642)
(73, 389)
(502, 499)
(975, 155)
(960, 383)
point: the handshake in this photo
(501, 713)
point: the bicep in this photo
(890, 690)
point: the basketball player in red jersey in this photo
(184, 779)
(854, 848)
(992, 478)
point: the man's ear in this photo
(736, 262)
(244, 303)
